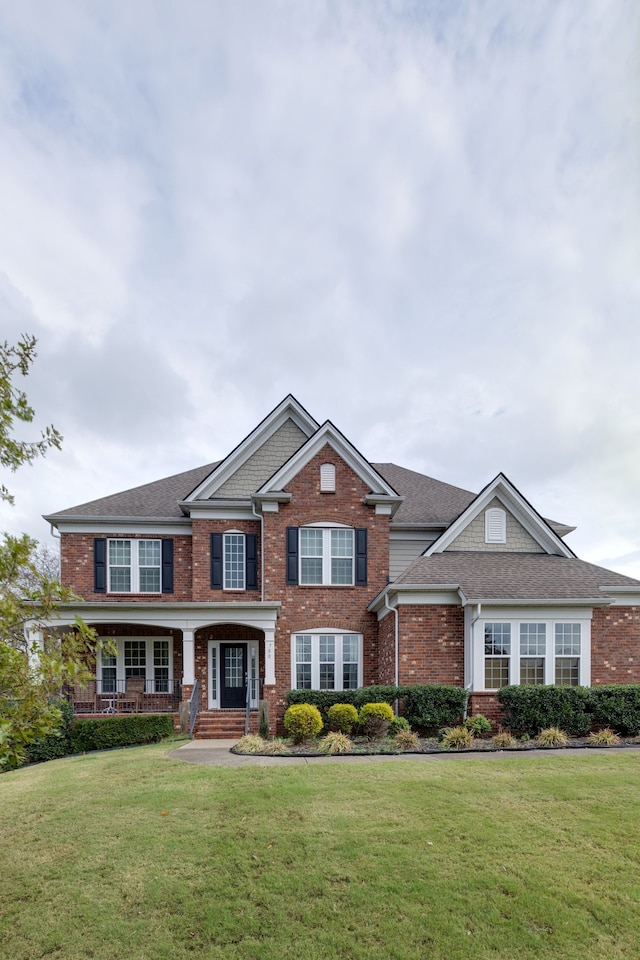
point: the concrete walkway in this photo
(216, 753)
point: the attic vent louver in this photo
(327, 478)
(495, 525)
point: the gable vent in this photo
(327, 478)
(495, 525)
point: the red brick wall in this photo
(431, 644)
(615, 645)
(202, 530)
(387, 649)
(309, 607)
(76, 570)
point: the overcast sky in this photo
(420, 218)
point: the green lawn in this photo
(134, 856)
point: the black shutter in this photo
(167, 566)
(216, 561)
(292, 554)
(361, 557)
(251, 561)
(100, 565)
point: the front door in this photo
(233, 670)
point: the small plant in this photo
(398, 724)
(458, 738)
(336, 742)
(342, 717)
(274, 747)
(503, 739)
(525, 738)
(302, 721)
(552, 737)
(250, 743)
(407, 740)
(604, 738)
(478, 725)
(375, 719)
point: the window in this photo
(326, 661)
(326, 556)
(497, 650)
(135, 566)
(546, 652)
(495, 525)
(147, 657)
(234, 562)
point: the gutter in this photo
(260, 517)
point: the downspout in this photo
(260, 517)
(396, 645)
(56, 536)
(474, 619)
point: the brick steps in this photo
(223, 724)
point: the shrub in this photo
(374, 719)
(323, 699)
(478, 725)
(302, 721)
(458, 738)
(551, 737)
(54, 745)
(531, 708)
(429, 706)
(342, 717)
(336, 742)
(503, 739)
(119, 731)
(250, 743)
(604, 738)
(407, 740)
(398, 724)
(616, 706)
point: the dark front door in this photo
(233, 670)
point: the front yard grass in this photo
(130, 854)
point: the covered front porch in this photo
(196, 660)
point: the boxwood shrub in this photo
(119, 731)
(429, 706)
(54, 745)
(531, 708)
(616, 706)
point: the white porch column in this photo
(269, 656)
(188, 657)
(35, 643)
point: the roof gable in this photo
(270, 443)
(506, 494)
(328, 434)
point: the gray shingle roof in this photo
(427, 501)
(158, 499)
(514, 576)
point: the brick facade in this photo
(431, 648)
(615, 645)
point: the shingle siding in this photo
(264, 463)
(518, 539)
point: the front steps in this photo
(224, 724)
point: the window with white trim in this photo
(545, 652)
(148, 657)
(135, 566)
(495, 525)
(326, 661)
(234, 561)
(326, 556)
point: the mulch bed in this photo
(430, 745)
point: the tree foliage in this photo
(33, 671)
(14, 406)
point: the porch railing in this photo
(133, 695)
(194, 700)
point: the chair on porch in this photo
(134, 692)
(84, 697)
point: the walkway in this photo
(216, 753)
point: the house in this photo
(295, 562)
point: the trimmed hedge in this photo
(119, 731)
(54, 745)
(428, 706)
(616, 706)
(532, 708)
(323, 699)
